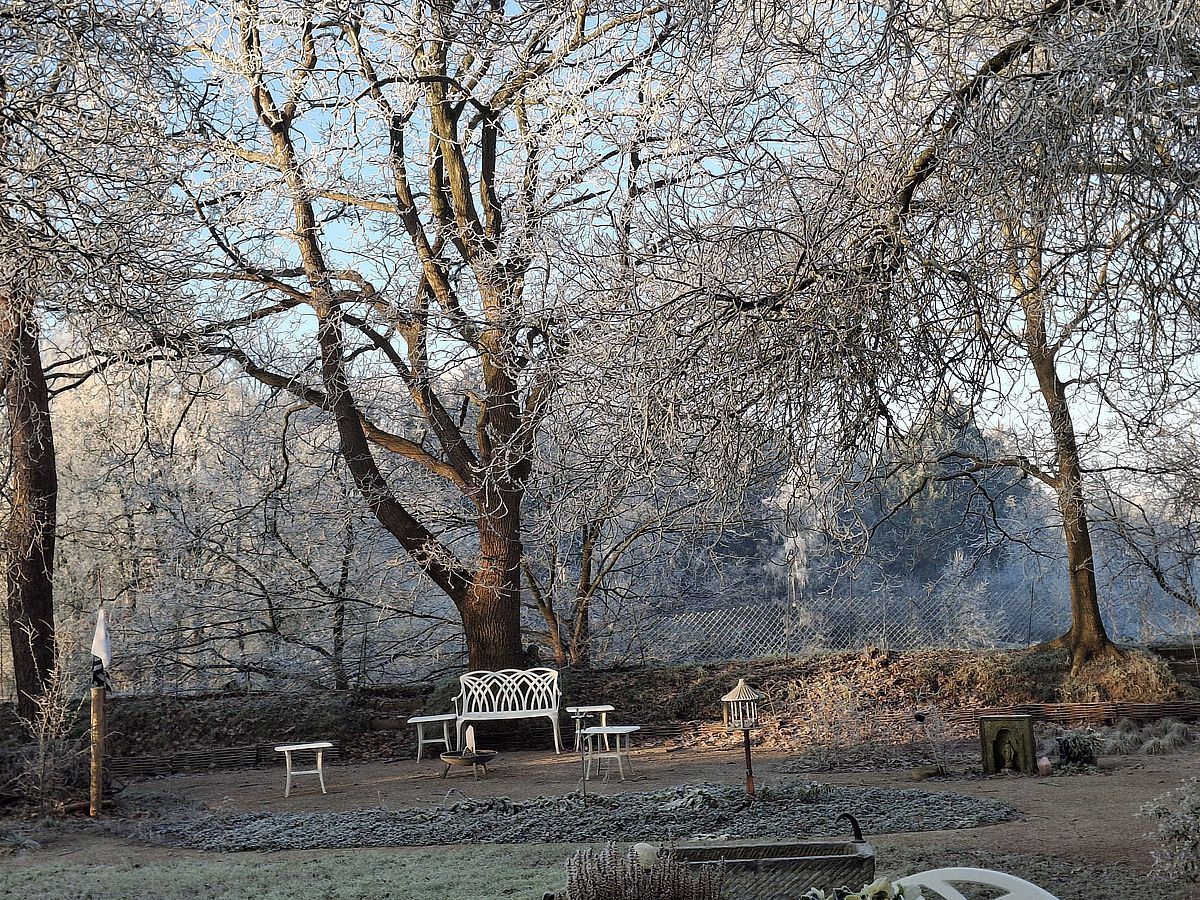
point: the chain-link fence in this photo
(963, 615)
(829, 623)
(880, 619)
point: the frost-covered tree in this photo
(994, 201)
(83, 88)
(228, 556)
(383, 186)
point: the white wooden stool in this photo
(288, 749)
(579, 713)
(619, 750)
(422, 721)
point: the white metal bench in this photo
(509, 694)
(942, 881)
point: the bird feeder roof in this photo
(742, 692)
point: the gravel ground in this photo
(678, 813)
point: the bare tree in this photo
(996, 202)
(229, 555)
(80, 89)
(384, 179)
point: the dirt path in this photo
(1091, 819)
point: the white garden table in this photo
(422, 721)
(939, 884)
(619, 751)
(581, 713)
(288, 749)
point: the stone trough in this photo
(782, 870)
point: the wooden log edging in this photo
(1082, 713)
(184, 761)
(1053, 713)
(1060, 713)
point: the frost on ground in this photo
(791, 810)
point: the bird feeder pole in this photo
(741, 714)
(749, 763)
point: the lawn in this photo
(402, 873)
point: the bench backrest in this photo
(508, 690)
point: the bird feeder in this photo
(741, 714)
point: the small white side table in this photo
(288, 749)
(422, 721)
(619, 751)
(579, 713)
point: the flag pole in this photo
(97, 788)
(101, 660)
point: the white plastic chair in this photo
(942, 881)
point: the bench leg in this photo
(287, 760)
(420, 739)
(320, 771)
(557, 733)
(446, 736)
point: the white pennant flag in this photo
(101, 650)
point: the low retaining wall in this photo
(248, 757)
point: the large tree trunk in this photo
(1087, 638)
(29, 538)
(488, 599)
(491, 613)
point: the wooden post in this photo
(97, 791)
(749, 766)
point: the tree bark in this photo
(491, 612)
(29, 537)
(1087, 639)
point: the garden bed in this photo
(681, 813)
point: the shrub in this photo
(1078, 748)
(642, 873)
(1161, 737)
(53, 765)
(879, 890)
(1178, 816)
